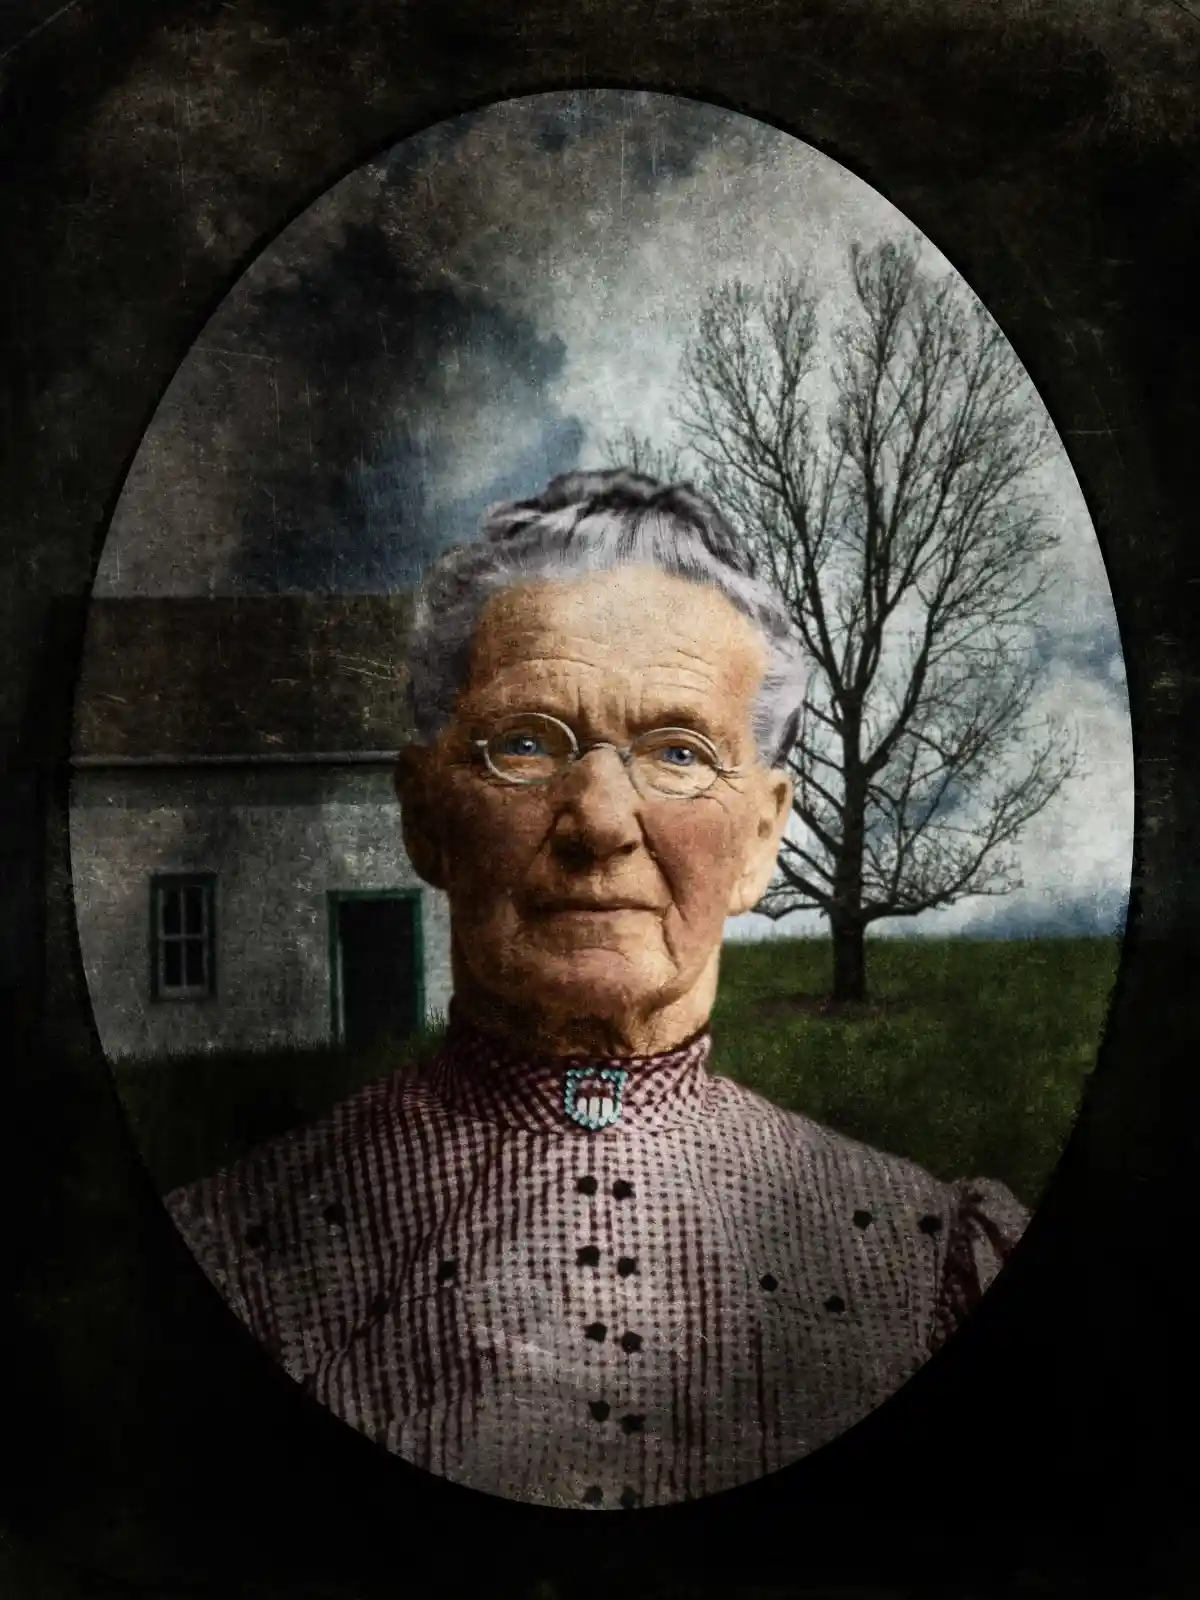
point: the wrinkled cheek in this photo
(701, 861)
(490, 850)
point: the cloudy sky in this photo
(494, 302)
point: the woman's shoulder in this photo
(300, 1161)
(794, 1135)
(816, 1156)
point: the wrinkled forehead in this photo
(630, 625)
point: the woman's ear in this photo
(418, 817)
(762, 849)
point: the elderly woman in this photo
(566, 1261)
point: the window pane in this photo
(172, 959)
(171, 914)
(194, 963)
(193, 905)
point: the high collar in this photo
(493, 1080)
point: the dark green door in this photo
(378, 955)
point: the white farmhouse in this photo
(239, 874)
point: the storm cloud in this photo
(374, 498)
(392, 366)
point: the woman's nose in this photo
(598, 804)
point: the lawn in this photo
(973, 1064)
(971, 1060)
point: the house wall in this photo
(278, 840)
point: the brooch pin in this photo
(592, 1096)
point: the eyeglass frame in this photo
(625, 752)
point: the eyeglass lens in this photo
(535, 750)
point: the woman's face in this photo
(582, 898)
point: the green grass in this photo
(973, 1066)
(191, 1115)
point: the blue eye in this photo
(522, 744)
(678, 755)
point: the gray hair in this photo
(583, 522)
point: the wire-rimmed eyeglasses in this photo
(531, 747)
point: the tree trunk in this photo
(849, 960)
(846, 924)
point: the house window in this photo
(182, 944)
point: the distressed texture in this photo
(1050, 151)
(505, 296)
(291, 675)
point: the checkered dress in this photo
(693, 1294)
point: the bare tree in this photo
(882, 477)
(630, 449)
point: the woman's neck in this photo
(540, 1030)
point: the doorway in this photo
(376, 965)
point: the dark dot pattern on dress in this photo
(622, 1190)
(930, 1224)
(768, 1282)
(596, 1331)
(835, 1303)
(447, 1271)
(335, 1214)
(863, 1219)
(626, 1266)
(799, 1212)
(631, 1423)
(588, 1256)
(256, 1236)
(629, 1499)
(631, 1342)
(593, 1496)
(379, 1305)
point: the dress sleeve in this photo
(190, 1209)
(988, 1222)
(200, 1213)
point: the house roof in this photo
(286, 676)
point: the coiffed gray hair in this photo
(583, 522)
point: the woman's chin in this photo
(595, 982)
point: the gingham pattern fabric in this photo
(680, 1302)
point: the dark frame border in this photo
(1057, 169)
